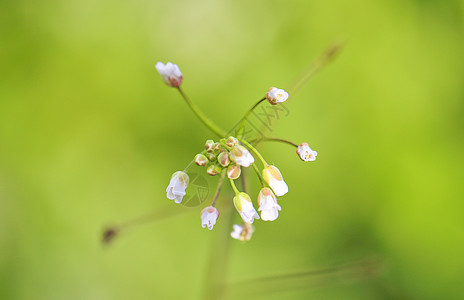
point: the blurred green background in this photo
(90, 135)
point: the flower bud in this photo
(275, 95)
(209, 216)
(241, 156)
(211, 156)
(201, 160)
(243, 232)
(209, 145)
(213, 170)
(274, 179)
(231, 141)
(176, 188)
(306, 153)
(171, 73)
(223, 159)
(268, 205)
(242, 203)
(216, 146)
(233, 171)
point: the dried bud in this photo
(201, 160)
(275, 95)
(209, 145)
(231, 141)
(223, 159)
(213, 170)
(233, 172)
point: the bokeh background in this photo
(90, 135)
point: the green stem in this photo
(219, 187)
(259, 175)
(210, 124)
(254, 150)
(234, 187)
(281, 141)
(242, 122)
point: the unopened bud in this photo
(216, 146)
(233, 172)
(231, 141)
(213, 170)
(211, 156)
(201, 160)
(223, 159)
(275, 95)
(209, 145)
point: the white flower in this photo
(242, 233)
(306, 153)
(268, 206)
(241, 156)
(171, 73)
(176, 188)
(209, 216)
(245, 208)
(275, 95)
(274, 179)
(237, 232)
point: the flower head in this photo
(176, 188)
(245, 208)
(241, 156)
(275, 180)
(209, 216)
(275, 95)
(306, 153)
(243, 232)
(170, 72)
(268, 206)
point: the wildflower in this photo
(242, 233)
(306, 153)
(245, 208)
(268, 206)
(233, 172)
(176, 188)
(241, 156)
(274, 179)
(171, 73)
(201, 160)
(275, 95)
(209, 216)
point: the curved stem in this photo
(221, 180)
(259, 175)
(280, 140)
(254, 150)
(210, 124)
(242, 122)
(232, 183)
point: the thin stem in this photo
(254, 150)
(242, 122)
(221, 180)
(259, 174)
(233, 186)
(280, 140)
(210, 124)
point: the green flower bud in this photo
(209, 145)
(211, 156)
(223, 159)
(231, 141)
(213, 170)
(201, 160)
(233, 171)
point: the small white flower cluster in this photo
(226, 157)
